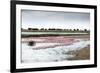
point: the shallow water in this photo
(38, 33)
(57, 53)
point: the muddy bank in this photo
(83, 54)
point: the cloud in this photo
(49, 19)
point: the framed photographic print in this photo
(52, 36)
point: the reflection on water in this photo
(58, 53)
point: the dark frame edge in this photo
(12, 36)
(56, 68)
(95, 36)
(55, 4)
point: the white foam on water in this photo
(51, 54)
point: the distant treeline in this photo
(53, 29)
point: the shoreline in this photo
(54, 39)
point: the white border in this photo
(20, 65)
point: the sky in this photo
(53, 19)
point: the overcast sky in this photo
(49, 19)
